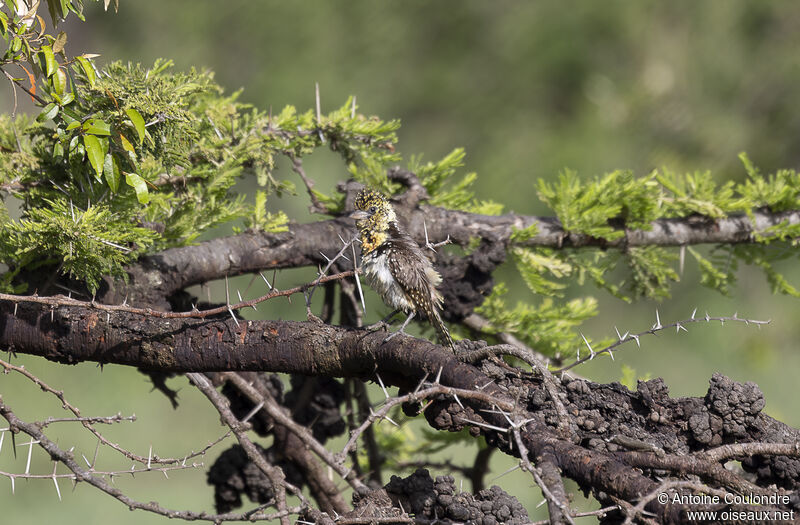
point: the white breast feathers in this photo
(380, 278)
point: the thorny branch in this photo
(95, 479)
(657, 327)
(87, 423)
(275, 475)
(61, 300)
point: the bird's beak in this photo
(359, 215)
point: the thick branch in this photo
(75, 334)
(176, 268)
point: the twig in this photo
(277, 413)
(316, 205)
(87, 423)
(559, 510)
(96, 481)
(61, 300)
(657, 327)
(599, 512)
(273, 473)
(739, 450)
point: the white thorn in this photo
(657, 326)
(383, 387)
(455, 396)
(591, 350)
(234, 317)
(361, 294)
(30, 452)
(694, 312)
(55, 481)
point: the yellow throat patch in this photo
(374, 230)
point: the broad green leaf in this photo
(72, 125)
(88, 69)
(73, 143)
(47, 61)
(59, 81)
(126, 144)
(48, 113)
(16, 45)
(95, 126)
(95, 153)
(138, 122)
(68, 98)
(111, 171)
(3, 23)
(139, 186)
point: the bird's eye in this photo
(372, 209)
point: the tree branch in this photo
(177, 268)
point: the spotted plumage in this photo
(394, 265)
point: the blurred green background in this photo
(528, 89)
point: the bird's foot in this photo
(383, 324)
(380, 325)
(394, 334)
(402, 328)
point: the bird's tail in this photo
(441, 330)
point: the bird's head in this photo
(374, 215)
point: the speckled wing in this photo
(415, 274)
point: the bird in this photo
(395, 266)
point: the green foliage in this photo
(154, 146)
(777, 192)
(533, 265)
(437, 178)
(590, 207)
(520, 236)
(651, 271)
(696, 193)
(85, 244)
(259, 218)
(716, 271)
(764, 257)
